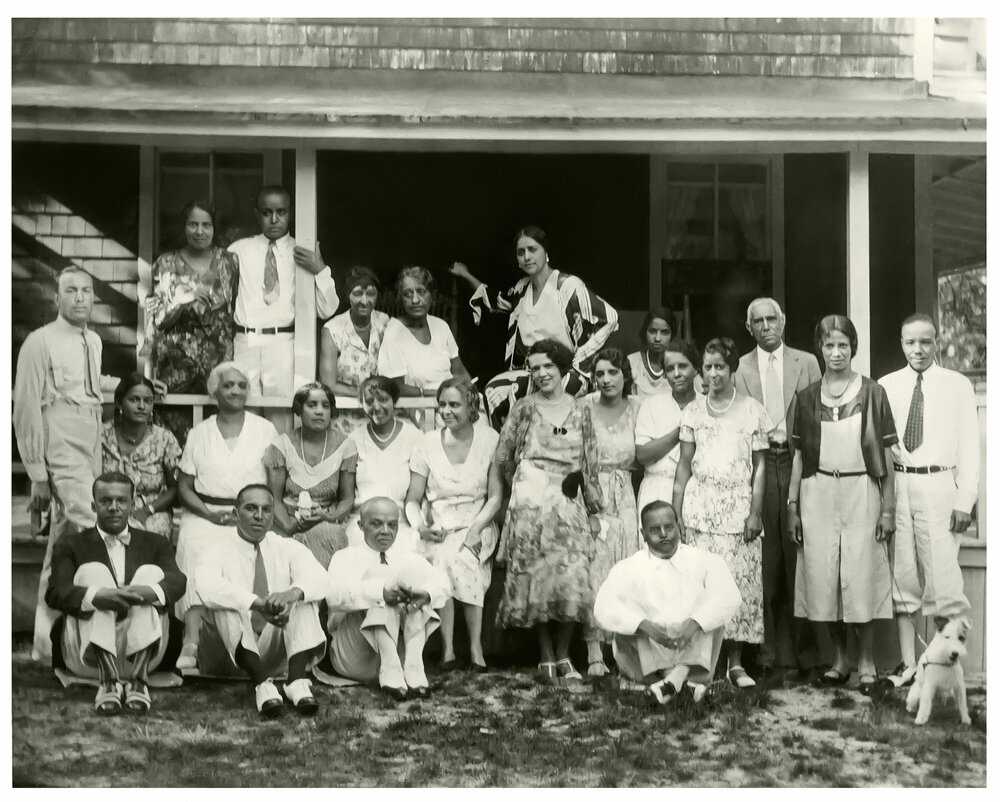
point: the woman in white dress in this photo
(648, 373)
(383, 447)
(305, 470)
(418, 350)
(657, 426)
(453, 469)
(222, 455)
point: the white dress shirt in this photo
(357, 577)
(951, 426)
(251, 310)
(778, 433)
(116, 553)
(692, 584)
(225, 577)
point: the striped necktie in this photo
(272, 287)
(259, 589)
(382, 559)
(913, 436)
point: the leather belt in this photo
(226, 502)
(841, 474)
(268, 329)
(924, 469)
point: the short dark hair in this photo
(302, 395)
(617, 358)
(361, 276)
(919, 317)
(206, 206)
(560, 354)
(726, 348)
(688, 349)
(112, 477)
(133, 379)
(380, 384)
(272, 189)
(656, 313)
(253, 486)
(417, 273)
(653, 506)
(72, 270)
(467, 389)
(832, 323)
(537, 233)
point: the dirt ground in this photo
(498, 729)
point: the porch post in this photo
(657, 227)
(147, 224)
(858, 286)
(305, 287)
(923, 236)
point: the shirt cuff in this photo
(324, 278)
(372, 591)
(87, 605)
(37, 472)
(161, 599)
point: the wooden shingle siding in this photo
(795, 48)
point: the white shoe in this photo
(698, 691)
(188, 657)
(300, 694)
(269, 702)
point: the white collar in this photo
(927, 374)
(763, 356)
(105, 536)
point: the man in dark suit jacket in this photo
(773, 374)
(114, 585)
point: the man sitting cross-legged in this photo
(262, 592)
(113, 584)
(382, 604)
(666, 606)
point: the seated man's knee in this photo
(147, 575)
(90, 574)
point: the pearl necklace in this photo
(541, 399)
(302, 448)
(392, 431)
(649, 368)
(708, 401)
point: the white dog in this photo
(939, 670)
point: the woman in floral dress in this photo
(548, 455)
(189, 316)
(723, 440)
(613, 409)
(453, 469)
(147, 454)
(312, 461)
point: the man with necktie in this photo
(773, 374)
(383, 600)
(57, 422)
(937, 482)
(113, 586)
(265, 300)
(262, 593)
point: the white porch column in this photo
(858, 286)
(147, 218)
(305, 287)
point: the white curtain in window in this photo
(748, 203)
(680, 208)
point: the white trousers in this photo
(269, 363)
(142, 627)
(925, 552)
(638, 656)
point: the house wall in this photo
(727, 47)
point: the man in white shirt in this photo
(383, 602)
(113, 585)
(773, 374)
(57, 421)
(262, 594)
(936, 465)
(264, 346)
(667, 605)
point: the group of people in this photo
(774, 496)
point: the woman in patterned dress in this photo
(148, 454)
(222, 455)
(723, 439)
(613, 410)
(453, 469)
(311, 461)
(351, 342)
(189, 315)
(842, 487)
(547, 454)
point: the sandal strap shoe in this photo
(109, 702)
(547, 670)
(565, 669)
(137, 701)
(739, 677)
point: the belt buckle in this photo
(836, 473)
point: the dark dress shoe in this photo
(475, 668)
(449, 665)
(307, 706)
(396, 694)
(272, 708)
(833, 678)
(420, 693)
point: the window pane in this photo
(743, 231)
(690, 223)
(743, 173)
(690, 171)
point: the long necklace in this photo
(708, 400)
(132, 441)
(302, 448)
(388, 438)
(835, 408)
(649, 366)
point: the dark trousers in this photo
(788, 641)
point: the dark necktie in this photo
(914, 434)
(382, 559)
(272, 288)
(259, 589)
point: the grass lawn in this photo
(498, 729)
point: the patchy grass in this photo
(497, 730)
